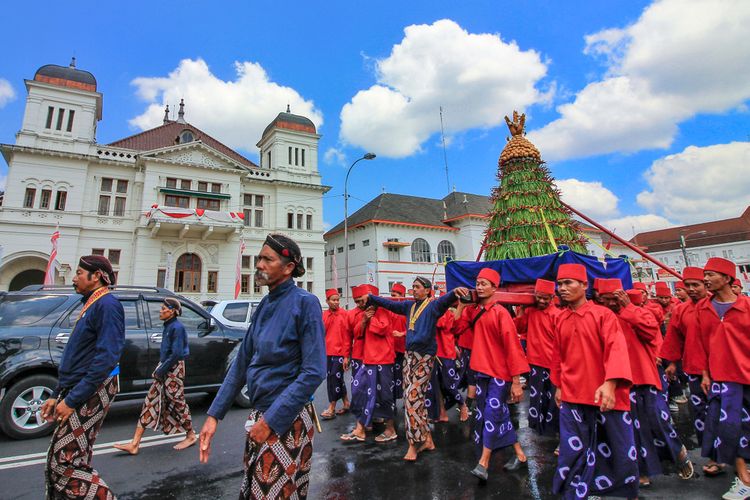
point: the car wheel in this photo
(242, 400)
(21, 407)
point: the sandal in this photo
(327, 415)
(351, 437)
(685, 467)
(714, 469)
(383, 438)
(644, 482)
(342, 411)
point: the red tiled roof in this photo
(166, 135)
(711, 233)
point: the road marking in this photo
(99, 449)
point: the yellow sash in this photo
(413, 317)
(98, 294)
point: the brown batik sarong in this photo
(280, 467)
(417, 373)
(165, 404)
(69, 473)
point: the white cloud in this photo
(630, 225)
(7, 93)
(476, 78)
(680, 58)
(700, 183)
(235, 111)
(334, 156)
(590, 198)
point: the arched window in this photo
(446, 251)
(420, 250)
(187, 277)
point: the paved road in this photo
(340, 471)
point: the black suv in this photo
(36, 322)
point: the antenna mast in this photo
(445, 154)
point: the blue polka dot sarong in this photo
(698, 406)
(335, 378)
(543, 412)
(727, 433)
(468, 376)
(597, 453)
(655, 437)
(493, 428)
(356, 365)
(444, 382)
(374, 395)
(398, 376)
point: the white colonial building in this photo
(168, 206)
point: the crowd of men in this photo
(600, 375)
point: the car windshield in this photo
(16, 310)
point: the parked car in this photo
(36, 323)
(236, 313)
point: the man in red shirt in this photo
(498, 361)
(359, 294)
(655, 436)
(538, 323)
(724, 320)
(398, 325)
(374, 380)
(338, 350)
(591, 370)
(680, 290)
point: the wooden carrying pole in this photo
(624, 242)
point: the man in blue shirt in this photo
(282, 361)
(87, 384)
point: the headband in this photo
(287, 248)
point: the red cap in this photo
(680, 284)
(723, 266)
(331, 292)
(572, 271)
(635, 296)
(544, 286)
(490, 275)
(596, 283)
(738, 283)
(372, 289)
(640, 286)
(662, 289)
(359, 290)
(692, 273)
(399, 288)
(609, 285)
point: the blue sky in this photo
(639, 108)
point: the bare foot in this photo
(189, 441)
(411, 454)
(443, 419)
(464, 416)
(426, 446)
(131, 448)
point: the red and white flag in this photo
(49, 274)
(238, 271)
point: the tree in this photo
(527, 218)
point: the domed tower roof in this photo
(290, 121)
(66, 76)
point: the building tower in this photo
(290, 143)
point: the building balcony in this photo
(194, 223)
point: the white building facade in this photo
(169, 206)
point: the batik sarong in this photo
(417, 373)
(69, 473)
(355, 365)
(468, 376)
(698, 406)
(398, 376)
(655, 437)
(597, 453)
(543, 412)
(165, 405)
(374, 395)
(727, 433)
(671, 389)
(280, 467)
(335, 378)
(493, 428)
(356, 398)
(444, 382)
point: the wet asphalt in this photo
(340, 471)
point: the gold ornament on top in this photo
(518, 146)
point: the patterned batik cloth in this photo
(670, 389)
(468, 376)
(493, 428)
(280, 467)
(398, 376)
(655, 437)
(597, 453)
(727, 433)
(444, 381)
(544, 416)
(374, 395)
(698, 406)
(335, 378)
(69, 473)
(417, 373)
(356, 389)
(165, 405)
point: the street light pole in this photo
(367, 156)
(683, 245)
